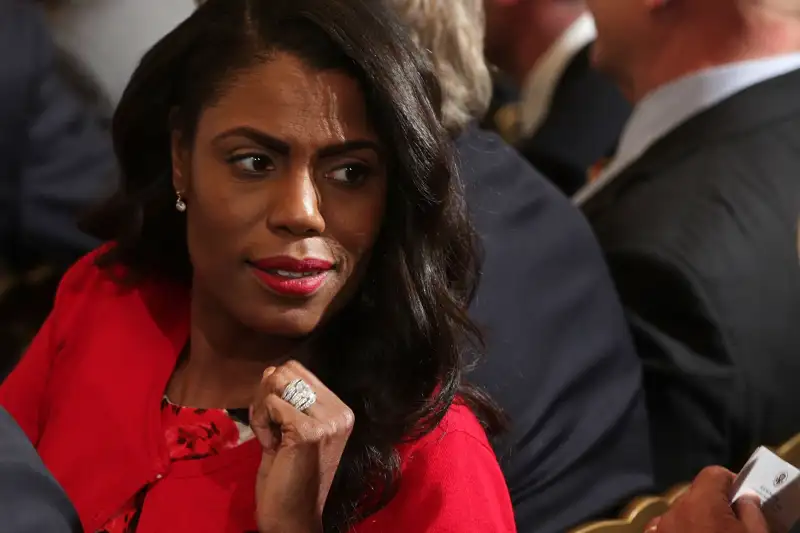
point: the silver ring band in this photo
(299, 395)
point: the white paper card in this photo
(776, 483)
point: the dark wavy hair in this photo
(397, 352)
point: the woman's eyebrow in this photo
(349, 146)
(259, 137)
(283, 148)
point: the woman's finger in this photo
(277, 379)
(317, 424)
(327, 405)
(273, 419)
(335, 417)
(281, 376)
(305, 374)
(297, 427)
(748, 509)
(285, 415)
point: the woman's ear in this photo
(181, 159)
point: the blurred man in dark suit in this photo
(30, 499)
(698, 216)
(558, 358)
(569, 116)
(56, 160)
(55, 155)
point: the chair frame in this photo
(635, 517)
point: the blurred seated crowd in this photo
(394, 265)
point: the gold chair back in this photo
(637, 514)
(642, 510)
(790, 451)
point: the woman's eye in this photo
(253, 163)
(350, 174)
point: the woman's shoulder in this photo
(89, 286)
(459, 427)
(88, 277)
(84, 272)
(82, 284)
(449, 481)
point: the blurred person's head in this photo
(261, 133)
(519, 32)
(644, 44)
(452, 32)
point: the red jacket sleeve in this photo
(23, 393)
(451, 485)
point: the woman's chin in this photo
(292, 324)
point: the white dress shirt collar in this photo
(671, 105)
(541, 82)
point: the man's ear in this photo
(181, 161)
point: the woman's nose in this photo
(296, 205)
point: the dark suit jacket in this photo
(701, 234)
(55, 152)
(30, 499)
(559, 357)
(584, 122)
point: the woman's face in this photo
(285, 186)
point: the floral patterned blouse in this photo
(190, 434)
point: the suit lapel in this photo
(755, 107)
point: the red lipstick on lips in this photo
(292, 277)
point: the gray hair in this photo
(452, 31)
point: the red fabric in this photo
(197, 433)
(88, 395)
(190, 434)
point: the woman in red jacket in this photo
(273, 340)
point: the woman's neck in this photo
(225, 360)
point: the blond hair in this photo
(452, 31)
